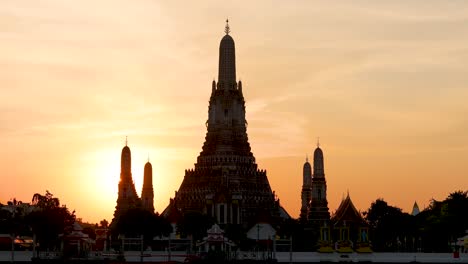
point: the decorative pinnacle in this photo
(307, 157)
(318, 142)
(226, 29)
(126, 141)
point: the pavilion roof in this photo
(347, 213)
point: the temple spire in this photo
(318, 162)
(227, 61)
(147, 193)
(227, 29)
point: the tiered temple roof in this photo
(347, 213)
(226, 182)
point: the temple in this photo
(306, 193)
(128, 197)
(147, 193)
(314, 207)
(346, 231)
(350, 230)
(319, 213)
(226, 182)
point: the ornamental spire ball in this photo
(226, 29)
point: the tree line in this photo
(45, 219)
(432, 230)
(391, 229)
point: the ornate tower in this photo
(319, 205)
(128, 197)
(226, 182)
(306, 193)
(147, 194)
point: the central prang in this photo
(226, 183)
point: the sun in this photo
(98, 186)
(99, 175)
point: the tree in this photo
(136, 222)
(104, 223)
(304, 235)
(456, 213)
(194, 224)
(444, 221)
(49, 220)
(12, 219)
(46, 201)
(391, 227)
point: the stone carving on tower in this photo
(306, 194)
(319, 212)
(226, 183)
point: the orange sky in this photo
(383, 84)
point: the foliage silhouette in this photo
(389, 224)
(49, 220)
(432, 230)
(136, 222)
(194, 224)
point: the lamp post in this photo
(258, 239)
(290, 249)
(12, 247)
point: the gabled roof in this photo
(171, 213)
(284, 214)
(261, 231)
(346, 212)
(215, 229)
(415, 209)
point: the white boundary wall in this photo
(297, 257)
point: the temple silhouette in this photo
(314, 208)
(128, 197)
(226, 182)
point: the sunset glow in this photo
(384, 86)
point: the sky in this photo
(383, 84)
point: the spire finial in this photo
(226, 29)
(126, 141)
(318, 142)
(307, 157)
(148, 156)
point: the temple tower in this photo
(128, 197)
(306, 193)
(226, 183)
(147, 193)
(319, 205)
(415, 210)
